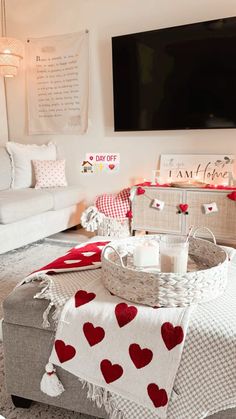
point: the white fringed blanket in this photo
(127, 349)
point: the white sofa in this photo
(29, 214)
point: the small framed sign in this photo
(101, 163)
(211, 169)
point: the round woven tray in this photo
(207, 281)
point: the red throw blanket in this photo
(80, 257)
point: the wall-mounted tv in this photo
(182, 77)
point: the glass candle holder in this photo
(174, 254)
(156, 177)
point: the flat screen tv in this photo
(182, 77)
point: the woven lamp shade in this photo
(11, 52)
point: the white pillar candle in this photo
(146, 255)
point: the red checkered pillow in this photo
(114, 206)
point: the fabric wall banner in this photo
(57, 84)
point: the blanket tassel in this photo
(50, 383)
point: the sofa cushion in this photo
(66, 196)
(21, 157)
(19, 204)
(5, 169)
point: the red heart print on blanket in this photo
(183, 207)
(64, 352)
(210, 208)
(125, 314)
(158, 396)
(93, 334)
(83, 297)
(111, 372)
(140, 191)
(140, 357)
(171, 335)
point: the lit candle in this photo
(146, 255)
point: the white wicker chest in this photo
(169, 220)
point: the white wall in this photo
(105, 18)
(3, 114)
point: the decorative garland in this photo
(182, 208)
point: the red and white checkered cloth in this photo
(114, 206)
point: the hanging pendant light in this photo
(11, 49)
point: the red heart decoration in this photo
(129, 214)
(111, 166)
(210, 208)
(232, 196)
(140, 191)
(171, 335)
(111, 372)
(158, 396)
(125, 314)
(64, 352)
(140, 357)
(93, 334)
(114, 206)
(83, 297)
(157, 205)
(183, 207)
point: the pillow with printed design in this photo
(49, 173)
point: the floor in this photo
(76, 234)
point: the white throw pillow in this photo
(49, 173)
(21, 157)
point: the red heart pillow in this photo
(114, 206)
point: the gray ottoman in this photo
(26, 351)
(27, 348)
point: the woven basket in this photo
(114, 227)
(159, 289)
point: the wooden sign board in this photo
(211, 169)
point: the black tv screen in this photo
(176, 78)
